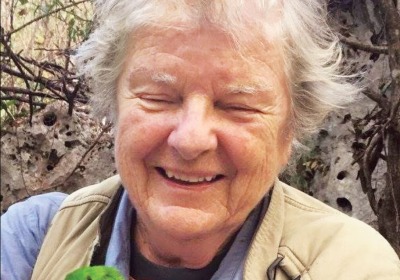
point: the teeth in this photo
(169, 174)
(189, 179)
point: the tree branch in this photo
(19, 64)
(103, 130)
(362, 46)
(25, 91)
(45, 15)
(378, 98)
(51, 85)
(392, 28)
(39, 104)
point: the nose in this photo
(193, 134)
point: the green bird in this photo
(95, 273)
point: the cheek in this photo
(138, 134)
(250, 148)
(256, 153)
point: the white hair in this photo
(310, 50)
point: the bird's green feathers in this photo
(95, 273)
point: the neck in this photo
(167, 250)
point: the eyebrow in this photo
(158, 77)
(249, 89)
(169, 79)
(162, 77)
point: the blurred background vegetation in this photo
(37, 39)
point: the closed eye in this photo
(156, 98)
(237, 108)
(157, 102)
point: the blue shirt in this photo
(23, 228)
(25, 224)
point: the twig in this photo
(15, 58)
(25, 91)
(104, 129)
(12, 14)
(39, 104)
(49, 84)
(20, 163)
(362, 46)
(60, 51)
(19, 65)
(72, 95)
(368, 165)
(379, 99)
(45, 15)
(47, 66)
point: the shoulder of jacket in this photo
(318, 240)
(312, 220)
(101, 192)
(301, 201)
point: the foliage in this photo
(35, 54)
(95, 273)
(302, 171)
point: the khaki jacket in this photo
(299, 238)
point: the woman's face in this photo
(202, 130)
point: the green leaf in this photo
(95, 273)
(6, 104)
(23, 2)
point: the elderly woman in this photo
(207, 98)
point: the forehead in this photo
(206, 47)
(245, 40)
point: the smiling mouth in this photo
(187, 180)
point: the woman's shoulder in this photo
(36, 210)
(328, 242)
(23, 228)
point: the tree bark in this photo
(391, 207)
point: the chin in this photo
(186, 223)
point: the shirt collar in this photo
(118, 252)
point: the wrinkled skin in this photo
(191, 107)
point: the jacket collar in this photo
(264, 248)
(106, 227)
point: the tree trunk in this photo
(389, 214)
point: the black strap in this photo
(271, 272)
(106, 226)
